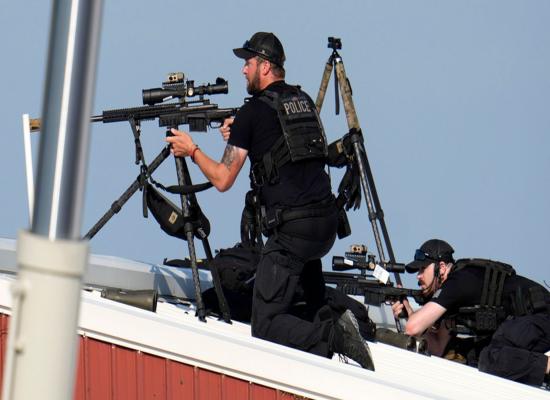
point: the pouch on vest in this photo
(530, 300)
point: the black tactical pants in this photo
(282, 269)
(517, 349)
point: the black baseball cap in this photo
(432, 251)
(265, 45)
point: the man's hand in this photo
(398, 307)
(225, 129)
(222, 174)
(181, 143)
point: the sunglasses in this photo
(420, 255)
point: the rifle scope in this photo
(171, 91)
(340, 263)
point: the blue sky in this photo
(452, 97)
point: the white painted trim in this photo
(29, 172)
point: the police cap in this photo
(432, 251)
(265, 45)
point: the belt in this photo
(276, 216)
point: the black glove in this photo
(350, 188)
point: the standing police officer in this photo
(279, 129)
(488, 297)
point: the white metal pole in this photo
(29, 171)
(42, 343)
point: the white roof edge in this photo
(109, 271)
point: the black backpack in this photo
(236, 267)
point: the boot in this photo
(346, 340)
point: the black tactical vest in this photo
(490, 312)
(303, 134)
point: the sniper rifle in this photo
(374, 292)
(198, 114)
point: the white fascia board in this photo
(230, 349)
(214, 346)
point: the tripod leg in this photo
(379, 212)
(324, 84)
(117, 204)
(222, 302)
(365, 174)
(345, 89)
(367, 179)
(188, 202)
(359, 152)
(353, 123)
(181, 167)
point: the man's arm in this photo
(221, 174)
(424, 318)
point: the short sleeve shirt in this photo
(461, 289)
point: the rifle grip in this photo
(403, 314)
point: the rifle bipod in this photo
(189, 203)
(375, 213)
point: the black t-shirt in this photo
(463, 289)
(256, 128)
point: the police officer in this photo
(279, 130)
(461, 291)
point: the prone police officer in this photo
(280, 131)
(488, 297)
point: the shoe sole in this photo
(349, 318)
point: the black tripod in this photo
(376, 215)
(188, 204)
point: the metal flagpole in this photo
(51, 258)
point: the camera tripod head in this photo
(334, 43)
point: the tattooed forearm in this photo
(229, 155)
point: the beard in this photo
(429, 290)
(253, 84)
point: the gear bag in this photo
(170, 217)
(237, 267)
